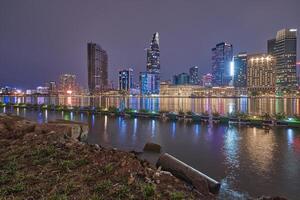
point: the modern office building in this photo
(261, 74)
(194, 75)
(207, 80)
(240, 70)
(222, 56)
(153, 55)
(284, 49)
(149, 83)
(181, 79)
(97, 68)
(150, 80)
(126, 79)
(68, 83)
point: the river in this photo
(247, 160)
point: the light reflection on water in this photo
(254, 106)
(244, 159)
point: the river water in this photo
(247, 160)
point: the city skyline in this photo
(64, 51)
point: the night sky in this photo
(41, 39)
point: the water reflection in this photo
(242, 158)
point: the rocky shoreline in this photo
(50, 161)
(46, 161)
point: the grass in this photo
(177, 195)
(148, 190)
(103, 186)
(16, 188)
(108, 168)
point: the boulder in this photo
(179, 169)
(152, 147)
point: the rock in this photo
(201, 182)
(152, 147)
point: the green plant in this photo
(177, 195)
(148, 190)
(103, 186)
(181, 112)
(279, 116)
(108, 168)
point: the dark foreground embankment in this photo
(48, 162)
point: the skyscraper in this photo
(222, 56)
(126, 79)
(194, 75)
(240, 70)
(284, 48)
(153, 55)
(181, 79)
(261, 73)
(148, 83)
(97, 68)
(151, 78)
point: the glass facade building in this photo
(97, 68)
(222, 56)
(149, 83)
(126, 79)
(240, 70)
(181, 79)
(150, 80)
(284, 49)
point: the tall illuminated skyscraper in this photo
(153, 55)
(150, 80)
(97, 68)
(240, 70)
(284, 49)
(222, 56)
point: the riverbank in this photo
(47, 161)
(265, 120)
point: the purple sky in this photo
(41, 39)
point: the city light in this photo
(231, 68)
(69, 91)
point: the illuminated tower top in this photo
(153, 55)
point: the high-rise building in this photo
(68, 83)
(126, 79)
(222, 56)
(148, 83)
(97, 68)
(240, 70)
(207, 80)
(150, 80)
(261, 73)
(284, 49)
(153, 55)
(271, 46)
(194, 75)
(181, 79)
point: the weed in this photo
(148, 190)
(103, 186)
(108, 168)
(177, 195)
